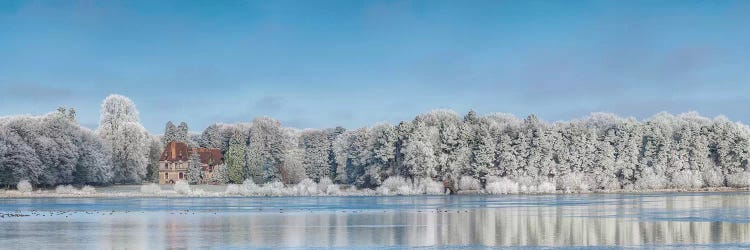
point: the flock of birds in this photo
(68, 213)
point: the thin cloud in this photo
(270, 104)
(35, 92)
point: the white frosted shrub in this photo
(405, 190)
(275, 188)
(199, 192)
(739, 180)
(24, 186)
(429, 186)
(546, 187)
(609, 183)
(88, 190)
(395, 185)
(232, 189)
(574, 183)
(468, 183)
(649, 180)
(151, 188)
(497, 185)
(526, 184)
(713, 178)
(628, 186)
(65, 189)
(248, 187)
(69, 189)
(326, 186)
(525, 180)
(324, 182)
(687, 179)
(333, 189)
(182, 187)
(306, 187)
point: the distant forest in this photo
(599, 152)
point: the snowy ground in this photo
(237, 190)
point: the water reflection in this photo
(594, 220)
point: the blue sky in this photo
(356, 63)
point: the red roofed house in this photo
(174, 162)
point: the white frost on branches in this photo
(121, 131)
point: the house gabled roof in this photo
(179, 151)
(209, 155)
(175, 151)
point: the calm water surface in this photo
(672, 220)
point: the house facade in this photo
(175, 159)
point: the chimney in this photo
(174, 149)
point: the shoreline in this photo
(50, 193)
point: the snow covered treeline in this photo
(600, 152)
(498, 153)
(52, 149)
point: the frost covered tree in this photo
(383, 162)
(170, 133)
(340, 148)
(353, 153)
(121, 131)
(195, 170)
(482, 152)
(154, 155)
(316, 152)
(403, 132)
(451, 149)
(235, 159)
(220, 175)
(333, 134)
(183, 134)
(212, 137)
(194, 140)
(266, 150)
(360, 156)
(94, 164)
(292, 170)
(57, 147)
(18, 160)
(419, 151)
(51, 149)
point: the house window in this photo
(166, 175)
(181, 175)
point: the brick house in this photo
(174, 162)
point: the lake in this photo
(673, 220)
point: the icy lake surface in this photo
(672, 220)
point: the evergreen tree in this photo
(383, 163)
(316, 149)
(267, 149)
(182, 133)
(418, 150)
(220, 175)
(211, 137)
(235, 159)
(154, 155)
(195, 170)
(170, 133)
(72, 114)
